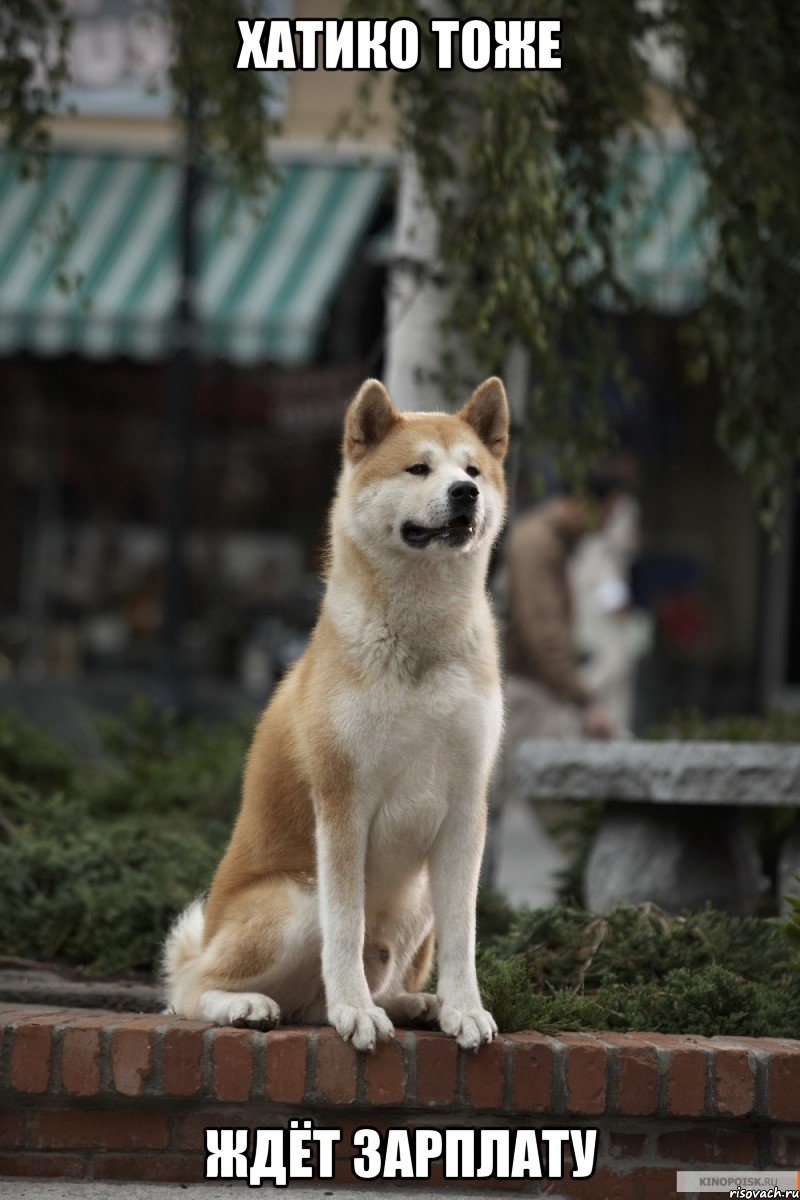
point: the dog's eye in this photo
(419, 469)
(472, 471)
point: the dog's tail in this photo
(179, 961)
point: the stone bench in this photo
(672, 832)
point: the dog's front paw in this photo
(248, 1009)
(469, 1026)
(413, 1006)
(361, 1026)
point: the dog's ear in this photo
(487, 412)
(369, 418)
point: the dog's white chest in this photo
(392, 731)
(415, 750)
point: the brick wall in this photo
(118, 1096)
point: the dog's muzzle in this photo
(462, 499)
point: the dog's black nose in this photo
(462, 494)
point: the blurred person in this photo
(611, 634)
(547, 695)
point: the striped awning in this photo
(89, 257)
(663, 246)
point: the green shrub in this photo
(637, 968)
(710, 1002)
(95, 863)
(160, 765)
(567, 947)
(30, 756)
(100, 894)
(96, 860)
(792, 922)
(691, 725)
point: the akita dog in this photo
(363, 814)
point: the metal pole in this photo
(182, 381)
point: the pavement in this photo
(62, 1189)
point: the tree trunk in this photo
(418, 299)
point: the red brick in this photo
(658, 1183)
(483, 1075)
(80, 1061)
(709, 1147)
(532, 1059)
(784, 1085)
(12, 1128)
(31, 1054)
(385, 1073)
(770, 1044)
(687, 1072)
(337, 1065)
(11, 1013)
(191, 1133)
(286, 1065)
(156, 1168)
(232, 1063)
(605, 1183)
(143, 1020)
(723, 1042)
(643, 1183)
(79, 1017)
(734, 1083)
(79, 1129)
(182, 1049)
(132, 1058)
(437, 1064)
(89, 1019)
(585, 1074)
(65, 1015)
(626, 1145)
(512, 1186)
(438, 1185)
(785, 1148)
(344, 1174)
(637, 1074)
(42, 1166)
(347, 1128)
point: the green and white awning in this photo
(88, 252)
(663, 245)
(88, 257)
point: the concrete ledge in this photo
(47, 988)
(99, 1095)
(746, 773)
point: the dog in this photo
(363, 812)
